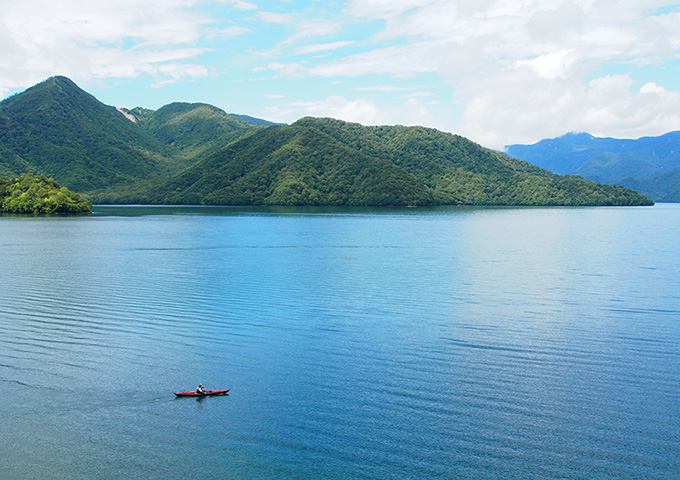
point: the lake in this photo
(356, 343)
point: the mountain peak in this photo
(58, 82)
(57, 89)
(66, 133)
(580, 135)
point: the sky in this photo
(499, 72)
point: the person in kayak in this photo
(201, 389)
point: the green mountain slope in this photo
(294, 165)
(191, 130)
(462, 172)
(330, 162)
(57, 129)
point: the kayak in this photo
(207, 393)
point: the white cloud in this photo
(528, 107)
(382, 9)
(551, 65)
(401, 61)
(174, 72)
(652, 87)
(230, 31)
(87, 39)
(418, 95)
(322, 47)
(336, 106)
(382, 88)
(311, 28)
(302, 28)
(360, 110)
(520, 68)
(239, 5)
(279, 18)
(612, 103)
(288, 70)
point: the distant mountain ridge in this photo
(650, 165)
(193, 153)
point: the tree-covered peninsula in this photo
(39, 195)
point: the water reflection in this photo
(388, 343)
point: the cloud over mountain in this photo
(499, 72)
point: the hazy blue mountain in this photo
(663, 188)
(648, 162)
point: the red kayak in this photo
(207, 393)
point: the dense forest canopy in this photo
(320, 161)
(39, 195)
(193, 153)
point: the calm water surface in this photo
(369, 344)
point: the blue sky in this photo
(497, 71)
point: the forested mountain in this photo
(190, 130)
(319, 161)
(293, 165)
(198, 154)
(650, 164)
(57, 129)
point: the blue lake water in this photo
(363, 343)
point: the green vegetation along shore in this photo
(39, 195)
